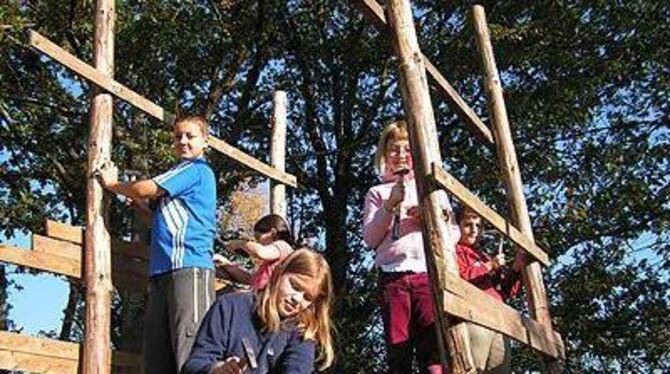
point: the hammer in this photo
(395, 230)
(249, 353)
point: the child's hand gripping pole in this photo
(395, 230)
(106, 173)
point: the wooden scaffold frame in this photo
(109, 262)
(61, 250)
(454, 296)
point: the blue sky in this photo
(39, 305)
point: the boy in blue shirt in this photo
(183, 220)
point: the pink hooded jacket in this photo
(405, 253)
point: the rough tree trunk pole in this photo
(278, 152)
(532, 273)
(440, 256)
(96, 356)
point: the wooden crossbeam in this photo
(375, 12)
(40, 260)
(131, 259)
(127, 262)
(252, 163)
(468, 302)
(89, 73)
(39, 355)
(451, 184)
(57, 257)
(62, 231)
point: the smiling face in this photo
(295, 293)
(471, 227)
(398, 155)
(188, 140)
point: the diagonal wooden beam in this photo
(243, 158)
(375, 12)
(468, 302)
(89, 73)
(451, 184)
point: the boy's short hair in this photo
(201, 121)
(396, 129)
(463, 211)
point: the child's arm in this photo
(376, 219)
(257, 250)
(236, 273)
(511, 284)
(144, 189)
(239, 274)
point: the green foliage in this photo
(586, 85)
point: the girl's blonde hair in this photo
(396, 130)
(314, 322)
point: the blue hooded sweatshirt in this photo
(233, 317)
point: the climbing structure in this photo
(109, 262)
(89, 253)
(454, 296)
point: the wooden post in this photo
(532, 274)
(96, 356)
(426, 152)
(278, 152)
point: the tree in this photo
(586, 90)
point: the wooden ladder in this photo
(454, 296)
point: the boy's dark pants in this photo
(177, 303)
(409, 322)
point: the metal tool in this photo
(249, 354)
(395, 230)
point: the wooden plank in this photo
(129, 276)
(86, 71)
(507, 160)
(74, 234)
(15, 342)
(34, 363)
(62, 231)
(374, 11)
(26, 353)
(40, 260)
(440, 257)
(278, 152)
(124, 255)
(468, 302)
(252, 163)
(57, 247)
(130, 266)
(451, 184)
(124, 93)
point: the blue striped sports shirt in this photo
(184, 221)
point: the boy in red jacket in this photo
(491, 350)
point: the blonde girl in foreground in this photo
(283, 325)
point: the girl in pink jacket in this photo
(274, 242)
(392, 226)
